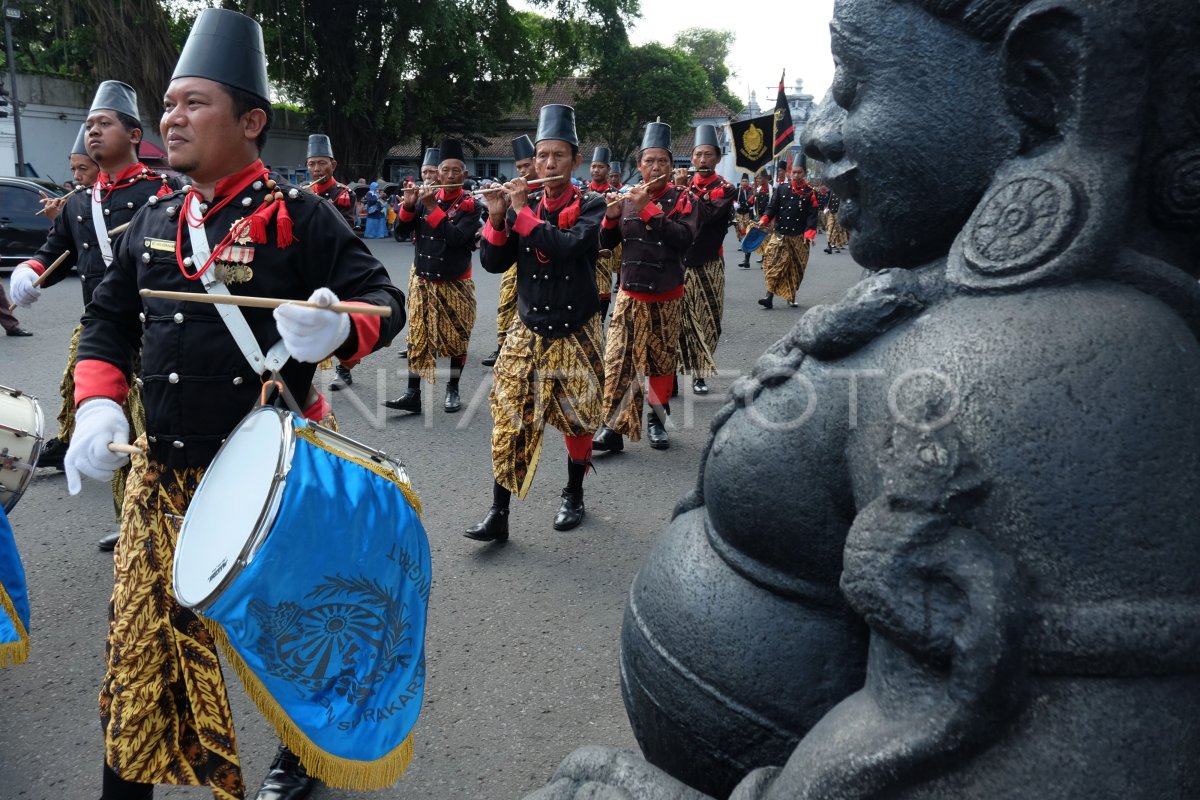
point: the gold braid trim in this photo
(13, 652)
(312, 437)
(338, 772)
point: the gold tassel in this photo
(12, 653)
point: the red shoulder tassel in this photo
(283, 226)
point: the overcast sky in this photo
(772, 35)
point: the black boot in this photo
(409, 401)
(114, 788)
(829, 250)
(109, 543)
(699, 386)
(768, 301)
(490, 361)
(452, 403)
(745, 262)
(656, 432)
(493, 528)
(53, 453)
(607, 440)
(287, 779)
(570, 513)
(343, 379)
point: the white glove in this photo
(21, 288)
(98, 422)
(312, 334)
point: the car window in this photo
(19, 204)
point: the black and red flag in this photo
(785, 131)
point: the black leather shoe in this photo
(490, 361)
(656, 432)
(793, 304)
(767, 302)
(409, 401)
(745, 264)
(108, 543)
(570, 513)
(493, 528)
(287, 779)
(18, 332)
(829, 250)
(607, 440)
(343, 379)
(403, 354)
(699, 386)
(452, 403)
(53, 453)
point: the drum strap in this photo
(232, 315)
(101, 228)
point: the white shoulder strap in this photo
(100, 226)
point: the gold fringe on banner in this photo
(12, 653)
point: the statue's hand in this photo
(606, 773)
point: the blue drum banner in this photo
(326, 624)
(14, 601)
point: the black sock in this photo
(456, 367)
(414, 382)
(500, 497)
(604, 301)
(575, 473)
(114, 788)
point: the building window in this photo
(488, 169)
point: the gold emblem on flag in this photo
(752, 142)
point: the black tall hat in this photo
(706, 135)
(615, 166)
(556, 121)
(601, 154)
(800, 160)
(433, 157)
(452, 148)
(115, 96)
(226, 47)
(522, 147)
(79, 148)
(319, 146)
(658, 134)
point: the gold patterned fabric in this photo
(507, 310)
(742, 222)
(441, 315)
(66, 389)
(606, 267)
(835, 234)
(163, 704)
(784, 262)
(643, 340)
(703, 307)
(542, 381)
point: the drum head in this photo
(754, 237)
(233, 507)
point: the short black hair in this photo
(129, 124)
(244, 102)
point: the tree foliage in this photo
(639, 85)
(710, 48)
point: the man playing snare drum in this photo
(165, 712)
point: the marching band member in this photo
(321, 165)
(550, 368)
(523, 154)
(165, 713)
(743, 213)
(609, 263)
(704, 297)
(122, 186)
(441, 291)
(656, 222)
(793, 208)
(83, 174)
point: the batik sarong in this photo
(835, 235)
(507, 309)
(441, 315)
(784, 262)
(643, 340)
(542, 381)
(703, 306)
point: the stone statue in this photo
(945, 542)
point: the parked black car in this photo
(22, 232)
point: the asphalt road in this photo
(523, 638)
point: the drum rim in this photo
(39, 424)
(253, 543)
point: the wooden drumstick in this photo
(114, 231)
(40, 279)
(127, 449)
(264, 302)
(647, 183)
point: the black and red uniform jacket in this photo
(445, 235)
(714, 196)
(339, 194)
(794, 209)
(654, 242)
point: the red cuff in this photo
(493, 236)
(95, 378)
(810, 234)
(435, 217)
(34, 265)
(318, 410)
(406, 215)
(608, 224)
(650, 211)
(765, 220)
(366, 328)
(526, 221)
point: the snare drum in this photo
(754, 237)
(20, 443)
(306, 547)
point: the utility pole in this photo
(10, 13)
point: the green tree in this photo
(637, 86)
(710, 48)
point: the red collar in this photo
(560, 202)
(235, 183)
(796, 187)
(127, 175)
(702, 184)
(666, 188)
(602, 188)
(444, 196)
(324, 187)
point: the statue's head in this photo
(936, 105)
